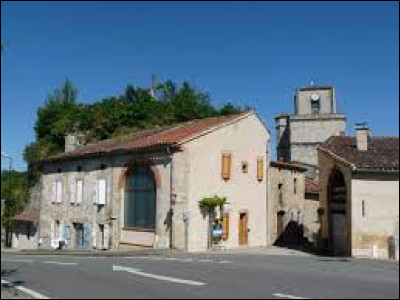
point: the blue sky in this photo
(250, 53)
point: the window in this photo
(140, 199)
(101, 192)
(226, 166)
(79, 191)
(315, 106)
(295, 186)
(245, 167)
(225, 227)
(280, 186)
(363, 208)
(102, 240)
(260, 169)
(57, 192)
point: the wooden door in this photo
(243, 229)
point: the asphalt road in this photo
(203, 276)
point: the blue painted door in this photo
(67, 234)
(87, 235)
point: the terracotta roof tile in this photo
(28, 215)
(140, 140)
(383, 152)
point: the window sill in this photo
(139, 229)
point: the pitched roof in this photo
(147, 139)
(311, 186)
(28, 215)
(383, 152)
(288, 166)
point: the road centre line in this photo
(59, 263)
(288, 296)
(157, 277)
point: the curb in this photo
(90, 253)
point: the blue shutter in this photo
(67, 234)
(87, 235)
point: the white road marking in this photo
(158, 277)
(288, 296)
(59, 263)
(18, 260)
(224, 262)
(205, 260)
(27, 291)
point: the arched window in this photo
(140, 199)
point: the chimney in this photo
(363, 135)
(74, 141)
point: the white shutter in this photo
(95, 226)
(79, 191)
(53, 197)
(59, 191)
(73, 193)
(101, 184)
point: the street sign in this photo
(217, 232)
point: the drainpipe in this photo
(171, 202)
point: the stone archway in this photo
(140, 198)
(337, 213)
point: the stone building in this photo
(315, 119)
(359, 195)
(144, 189)
(286, 203)
(311, 218)
(25, 228)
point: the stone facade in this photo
(300, 134)
(311, 220)
(24, 235)
(286, 201)
(193, 172)
(372, 208)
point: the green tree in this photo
(16, 197)
(229, 109)
(136, 109)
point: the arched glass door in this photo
(140, 199)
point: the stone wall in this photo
(368, 235)
(309, 132)
(327, 101)
(373, 227)
(291, 203)
(311, 219)
(24, 235)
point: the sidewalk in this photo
(270, 250)
(90, 253)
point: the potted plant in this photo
(209, 207)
